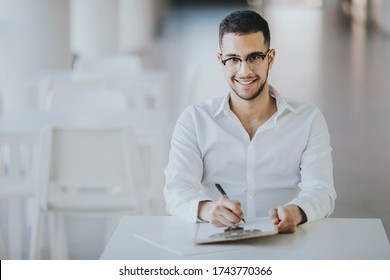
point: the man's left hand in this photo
(287, 218)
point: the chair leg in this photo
(15, 232)
(35, 236)
(61, 246)
(57, 237)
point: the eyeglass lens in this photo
(254, 61)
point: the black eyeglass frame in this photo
(263, 56)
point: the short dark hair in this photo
(244, 22)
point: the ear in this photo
(271, 57)
(219, 58)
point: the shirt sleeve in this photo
(184, 170)
(317, 196)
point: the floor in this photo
(322, 58)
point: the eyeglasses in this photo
(233, 64)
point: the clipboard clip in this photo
(234, 228)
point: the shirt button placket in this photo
(251, 211)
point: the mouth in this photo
(246, 83)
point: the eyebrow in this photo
(249, 55)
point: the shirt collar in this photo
(224, 106)
(281, 103)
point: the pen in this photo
(221, 190)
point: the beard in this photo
(254, 95)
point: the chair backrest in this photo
(107, 67)
(108, 100)
(54, 86)
(90, 158)
(138, 97)
(71, 85)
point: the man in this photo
(271, 155)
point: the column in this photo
(136, 25)
(93, 27)
(34, 39)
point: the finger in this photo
(282, 217)
(223, 221)
(219, 218)
(286, 224)
(235, 207)
(222, 213)
(273, 213)
(229, 217)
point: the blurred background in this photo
(160, 56)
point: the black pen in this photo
(221, 190)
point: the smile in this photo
(246, 82)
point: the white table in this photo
(326, 239)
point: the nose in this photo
(245, 69)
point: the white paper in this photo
(182, 243)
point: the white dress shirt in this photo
(288, 161)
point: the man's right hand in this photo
(224, 212)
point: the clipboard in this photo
(253, 228)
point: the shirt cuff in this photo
(192, 214)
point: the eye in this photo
(255, 57)
(233, 60)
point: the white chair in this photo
(138, 97)
(107, 67)
(87, 101)
(144, 88)
(18, 183)
(52, 86)
(86, 172)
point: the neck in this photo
(259, 108)
(253, 113)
